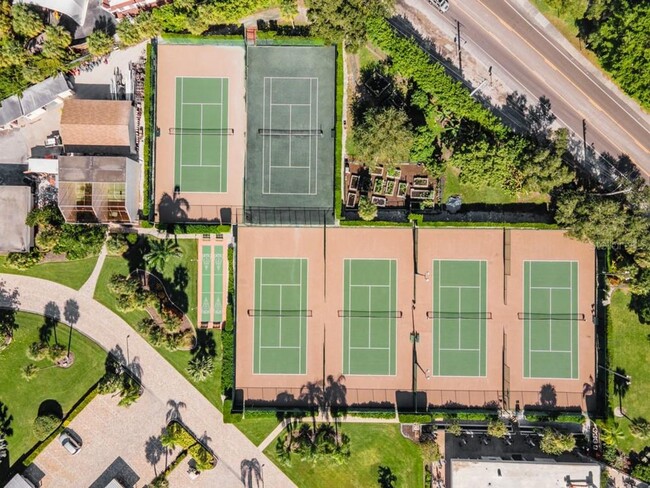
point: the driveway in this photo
(160, 380)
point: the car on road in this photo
(69, 443)
(442, 5)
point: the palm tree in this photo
(161, 250)
(612, 433)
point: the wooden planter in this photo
(421, 181)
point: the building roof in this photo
(32, 99)
(92, 169)
(15, 236)
(75, 9)
(42, 93)
(96, 122)
(10, 109)
(545, 473)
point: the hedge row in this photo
(228, 335)
(149, 136)
(413, 63)
(338, 152)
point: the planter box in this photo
(420, 181)
(378, 171)
(351, 200)
(378, 186)
(402, 188)
(354, 182)
(420, 194)
(394, 173)
(379, 201)
(390, 188)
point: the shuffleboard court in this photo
(280, 316)
(290, 137)
(459, 318)
(369, 316)
(201, 135)
(551, 319)
(211, 283)
(206, 283)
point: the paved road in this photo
(159, 378)
(523, 48)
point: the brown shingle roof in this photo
(96, 122)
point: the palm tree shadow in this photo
(172, 209)
(251, 473)
(621, 386)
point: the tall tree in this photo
(100, 43)
(25, 22)
(345, 20)
(57, 40)
(161, 250)
(385, 137)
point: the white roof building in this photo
(75, 9)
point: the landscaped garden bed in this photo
(378, 186)
(390, 188)
(177, 434)
(21, 398)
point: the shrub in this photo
(116, 245)
(454, 429)
(56, 352)
(110, 383)
(180, 436)
(202, 457)
(29, 371)
(430, 451)
(156, 336)
(44, 425)
(556, 443)
(367, 209)
(640, 428)
(171, 319)
(37, 351)
(145, 325)
(80, 241)
(23, 260)
(130, 391)
(201, 368)
(100, 43)
(642, 472)
(172, 342)
(47, 238)
(48, 215)
(497, 428)
(159, 481)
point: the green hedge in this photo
(414, 64)
(415, 418)
(202, 228)
(371, 415)
(149, 136)
(373, 223)
(574, 418)
(228, 335)
(338, 152)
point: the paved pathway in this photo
(88, 288)
(158, 377)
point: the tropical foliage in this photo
(44, 425)
(555, 442)
(320, 443)
(367, 209)
(161, 250)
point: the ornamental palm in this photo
(160, 252)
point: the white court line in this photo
(280, 347)
(461, 286)
(180, 163)
(550, 288)
(370, 348)
(202, 103)
(290, 104)
(550, 350)
(460, 349)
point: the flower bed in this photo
(180, 436)
(378, 186)
(402, 188)
(390, 188)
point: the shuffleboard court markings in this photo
(280, 333)
(369, 316)
(206, 282)
(217, 295)
(550, 319)
(459, 318)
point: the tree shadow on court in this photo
(548, 396)
(172, 209)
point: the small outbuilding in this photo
(16, 202)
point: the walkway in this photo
(158, 377)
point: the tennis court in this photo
(369, 316)
(201, 135)
(550, 319)
(280, 316)
(290, 127)
(459, 318)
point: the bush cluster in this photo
(324, 443)
(117, 380)
(44, 425)
(228, 334)
(178, 435)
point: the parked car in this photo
(442, 5)
(69, 443)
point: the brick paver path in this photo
(158, 376)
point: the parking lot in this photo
(117, 442)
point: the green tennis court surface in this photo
(280, 323)
(369, 316)
(459, 317)
(551, 319)
(290, 138)
(211, 284)
(201, 135)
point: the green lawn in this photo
(66, 386)
(484, 194)
(629, 348)
(179, 359)
(69, 273)
(371, 445)
(257, 428)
